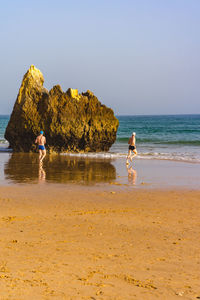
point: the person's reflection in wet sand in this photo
(24, 168)
(42, 173)
(132, 175)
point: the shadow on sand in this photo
(25, 168)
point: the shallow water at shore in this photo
(23, 168)
(173, 137)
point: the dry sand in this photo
(95, 244)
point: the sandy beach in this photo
(73, 243)
(100, 150)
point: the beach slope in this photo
(60, 243)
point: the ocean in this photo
(164, 137)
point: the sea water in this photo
(168, 137)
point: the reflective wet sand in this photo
(23, 168)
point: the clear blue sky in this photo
(137, 56)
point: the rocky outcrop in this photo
(70, 121)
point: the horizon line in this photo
(136, 115)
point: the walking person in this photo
(41, 141)
(132, 147)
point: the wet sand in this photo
(60, 242)
(23, 168)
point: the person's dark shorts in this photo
(131, 147)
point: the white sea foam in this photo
(171, 156)
(2, 141)
(4, 146)
(99, 155)
(187, 157)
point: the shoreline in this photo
(23, 168)
(111, 155)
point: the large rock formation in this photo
(70, 121)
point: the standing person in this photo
(41, 141)
(131, 147)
